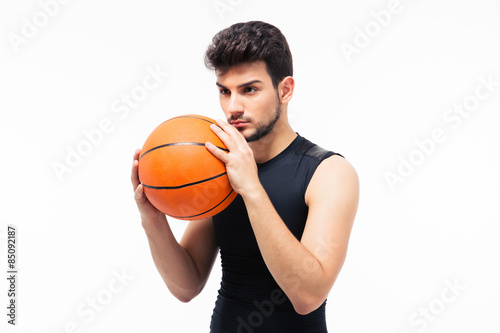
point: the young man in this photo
(284, 239)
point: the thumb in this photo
(139, 194)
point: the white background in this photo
(438, 226)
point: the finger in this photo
(233, 133)
(229, 129)
(135, 170)
(139, 194)
(223, 136)
(217, 152)
(137, 153)
(135, 175)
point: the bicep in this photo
(199, 242)
(332, 197)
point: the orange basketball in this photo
(180, 176)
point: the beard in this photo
(263, 129)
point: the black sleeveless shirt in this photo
(249, 299)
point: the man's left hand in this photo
(240, 162)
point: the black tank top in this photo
(249, 299)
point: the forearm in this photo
(173, 262)
(294, 267)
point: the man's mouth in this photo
(238, 123)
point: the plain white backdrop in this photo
(408, 91)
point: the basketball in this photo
(180, 176)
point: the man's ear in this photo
(286, 88)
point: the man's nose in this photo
(235, 106)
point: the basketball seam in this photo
(220, 203)
(194, 117)
(179, 144)
(184, 185)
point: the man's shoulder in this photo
(308, 148)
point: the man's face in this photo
(249, 100)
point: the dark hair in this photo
(250, 42)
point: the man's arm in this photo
(185, 266)
(306, 269)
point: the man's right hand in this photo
(184, 266)
(150, 215)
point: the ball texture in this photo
(180, 176)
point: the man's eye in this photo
(224, 91)
(250, 89)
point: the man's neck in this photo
(274, 143)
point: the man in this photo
(284, 239)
